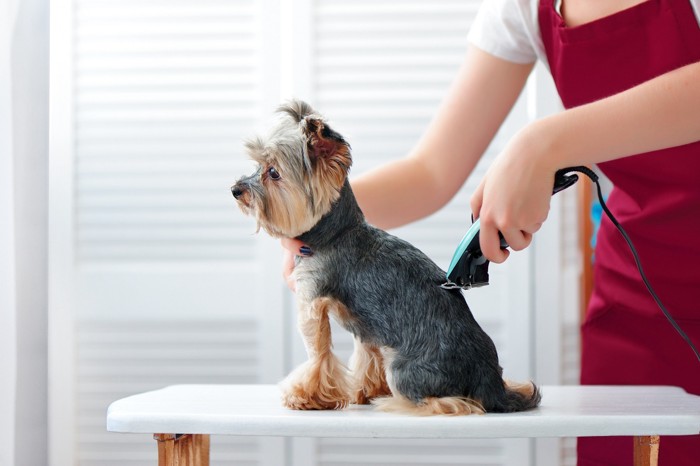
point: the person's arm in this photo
(514, 196)
(476, 105)
(413, 187)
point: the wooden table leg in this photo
(201, 449)
(646, 450)
(183, 449)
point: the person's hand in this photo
(291, 248)
(514, 195)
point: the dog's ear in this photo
(324, 143)
(328, 151)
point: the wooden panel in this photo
(182, 450)
(585, 199)
(646, 450)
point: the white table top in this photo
(566, 411)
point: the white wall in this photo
(23, 242)
(8, 340)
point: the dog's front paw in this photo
(301, 397)
(317, 384)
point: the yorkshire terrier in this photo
(418, 348)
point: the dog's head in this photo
(302, 166)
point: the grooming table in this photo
(182, 417)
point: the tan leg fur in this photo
(367, 366)
(322, 382)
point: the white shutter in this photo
(168, 269)
(349, 452)
(164, 96)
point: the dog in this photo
(418, 348)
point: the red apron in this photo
(626, 340)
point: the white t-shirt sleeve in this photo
(508, 29)
(695, 4)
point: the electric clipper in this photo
(469, 268)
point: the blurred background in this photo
(129, 266)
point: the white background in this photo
(156, 278)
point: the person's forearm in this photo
(411, 188)
(660, 113)
(397, 193)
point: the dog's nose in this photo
(236, 191)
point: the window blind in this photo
(164, 94)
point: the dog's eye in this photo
(273, 173)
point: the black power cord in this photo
(561, 174)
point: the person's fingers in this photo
(517, 239)
(476, 200)
(491, 243)
(534, 228)
(291, 248)
(294, 246)
(288, 269)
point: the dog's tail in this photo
(518, 397)
(515, 397)
(448, 405)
